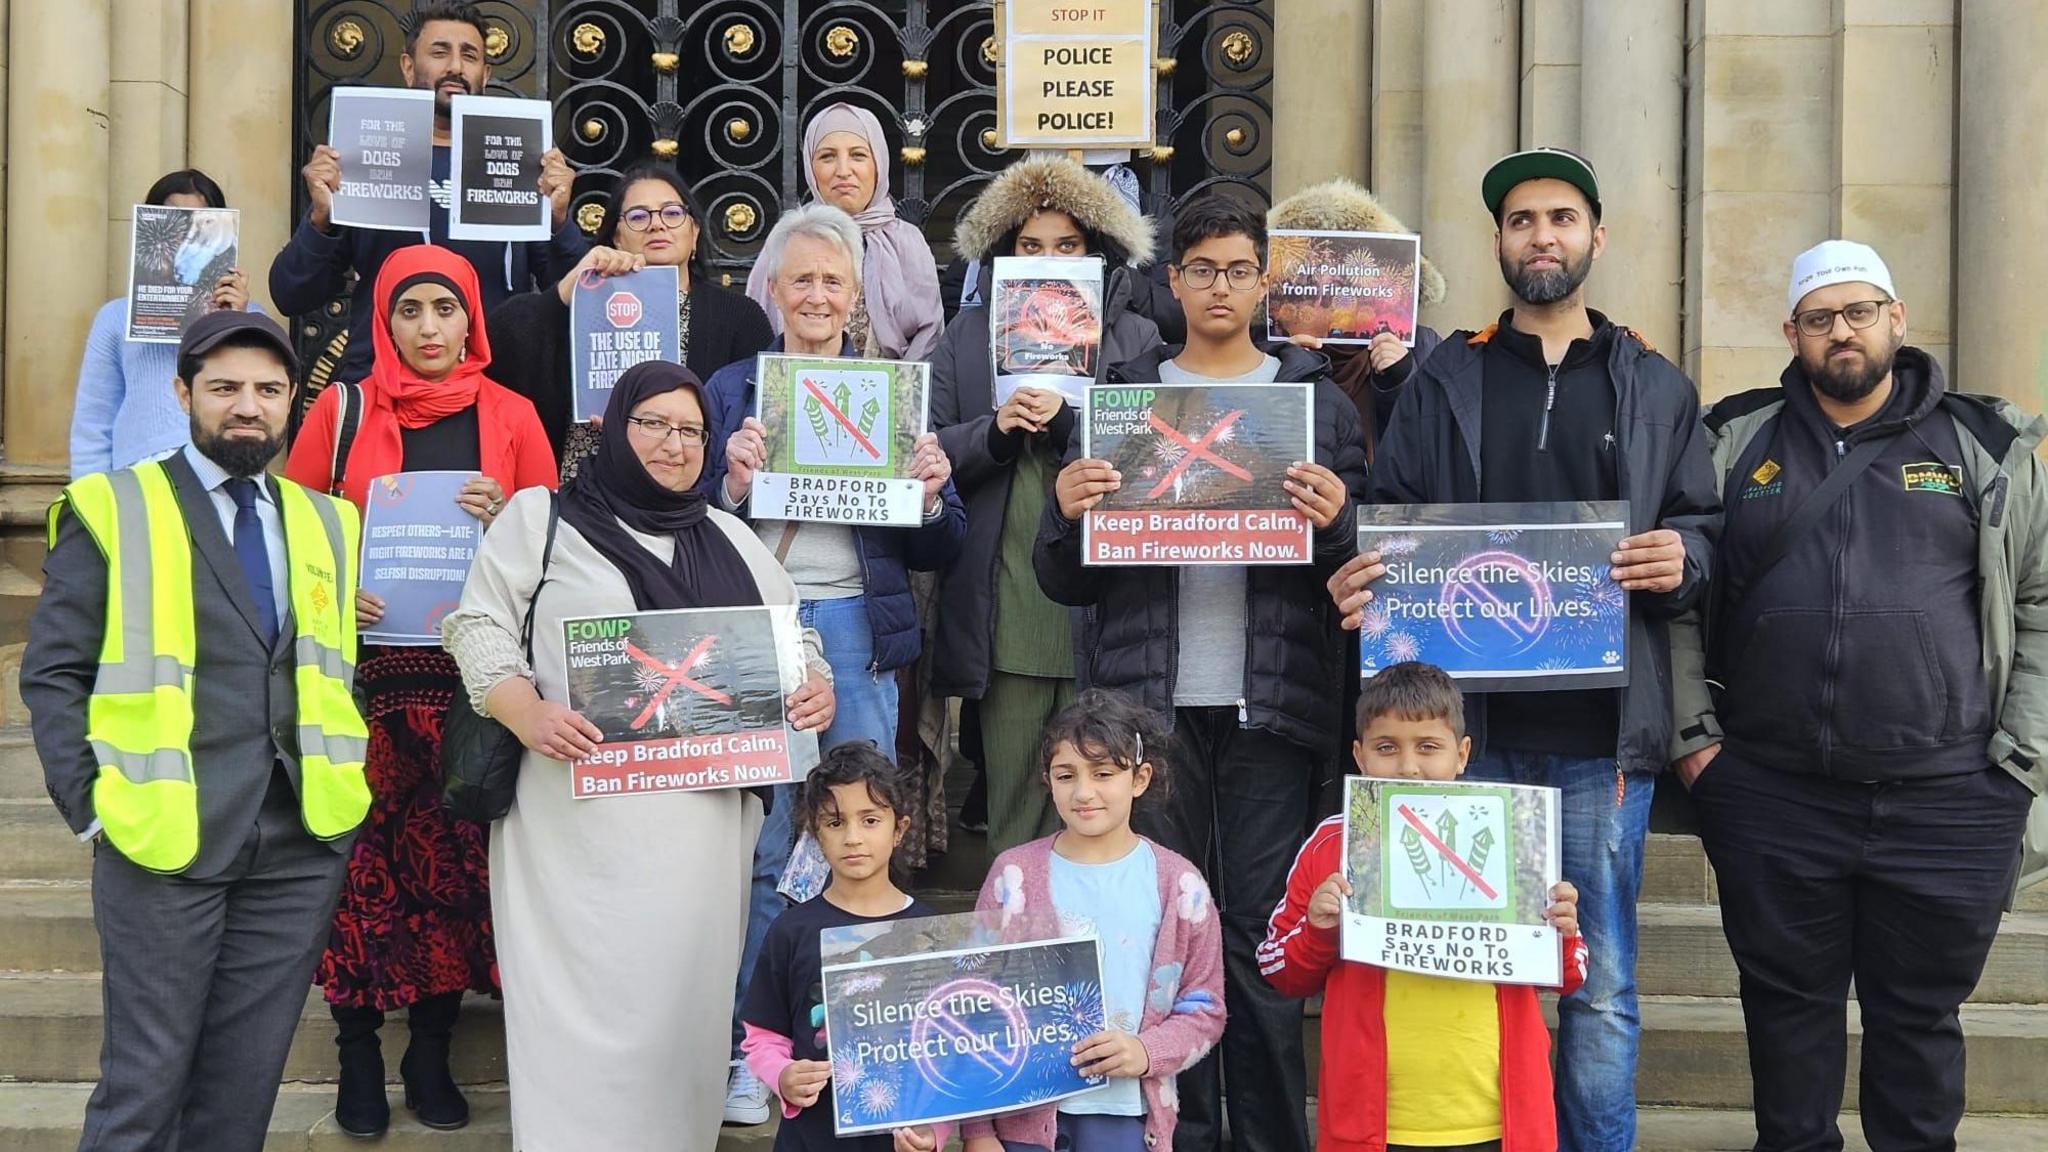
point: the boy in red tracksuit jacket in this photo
(1412, 1061)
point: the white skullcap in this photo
(1837, 262)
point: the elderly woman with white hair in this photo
(853, 583)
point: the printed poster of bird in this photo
(179, 255)
(1224, 447)
(1343, 287)
(842, 417)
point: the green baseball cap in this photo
(1539, 164)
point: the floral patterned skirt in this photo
(415, 914)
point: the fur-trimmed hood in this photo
(1342, 206)
(1050, 182)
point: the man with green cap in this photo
(1555, 402)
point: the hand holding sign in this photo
(1326, 904)
(1563, 913)
(929, 463)
(1349, 587)
(745, 450)
(1316, 491)
(557, 180)
(803, 1081)
(599, 261)
(1652, 561)
(481, 498)
(231, 292)
(322, 176)
(1112, 1053)
(813, 704)
(1082, 485)
(918, 1139)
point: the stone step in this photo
(46, 926)
(1675, 870)
(21, 770)
(1704, 1130)
(35, 844)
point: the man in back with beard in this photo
(1554, 402)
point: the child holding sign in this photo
(1413, 1061)
(1162, 945)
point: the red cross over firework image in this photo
(687, 700)
(1204, 468)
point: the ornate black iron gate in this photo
(722, 88)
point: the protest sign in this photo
(417, 547)
(386, 140)
(495, 148)
(178, 256)
(1451, 879)
(922, 1032)
(840, 438)
(1045, 325)
(688, 700)
(1343, 287)
(1502, 596)
(616, 322)
(1075, 75)
(1202, 467)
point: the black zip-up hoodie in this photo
(1857, 656)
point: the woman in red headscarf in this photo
(413, 926)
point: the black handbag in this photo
(479, 756)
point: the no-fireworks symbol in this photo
(1517, 620)
(987, 1066)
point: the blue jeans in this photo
(1606, 816)
(865, 710)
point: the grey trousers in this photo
(203, 984)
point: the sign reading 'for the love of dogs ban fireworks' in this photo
(840, 435)
(1451, 879)
(688, 700)
(1203, 469)
(1504, 597)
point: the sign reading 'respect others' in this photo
(1075, 74)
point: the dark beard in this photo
(1845, 384)
(444, 101)
(1546, 285)
(239, 458)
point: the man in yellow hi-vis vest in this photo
(188, 673)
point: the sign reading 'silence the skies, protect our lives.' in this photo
(1075, 73)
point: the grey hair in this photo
(819, 221)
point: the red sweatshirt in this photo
(1301, 960)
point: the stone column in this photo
(57, 253)
(1471, 75)
(1324, 77)
(148, 129)
(1550, 72)
(239, 128)
(1396, 119)
(1637, 145)
(2001, 345)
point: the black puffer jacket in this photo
(1294, 653)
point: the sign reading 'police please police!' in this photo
(1075, 75)
(616, 322)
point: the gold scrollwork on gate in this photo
(587, 40)
(593, 130)
(988, 51)
(739, 40)
(590, 218)
(346, 38)
(737, 130)
(740, 218)
(497, 42)
(841, 41)
(1238, 47)
(667, 149)
(665, 61)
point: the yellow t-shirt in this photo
(1443, 1061)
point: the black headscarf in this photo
(613, 488)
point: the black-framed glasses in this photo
(1821, 321)
(1241, 275)
(658, 431)
(641, 219)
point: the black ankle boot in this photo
(430, 1089)
(360, 1109)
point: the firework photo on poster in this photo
(1045, 317)
(179, 255)
(953, 1024)
(386, 140)
(1451, 879)
(1203, 467)
(688, 699)
(1343, 287)
(840, 435)
(418, 544)
(496, 144)
(1504, 597)
(616, 322)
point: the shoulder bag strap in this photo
(1807, 516)
(547, 554)
(346, 420)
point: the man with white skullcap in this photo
(1864, 773)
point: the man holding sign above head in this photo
(1241, 656)
(1555, 403)
(444, 54)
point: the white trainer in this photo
(746, 1098)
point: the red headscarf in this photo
(392, 383)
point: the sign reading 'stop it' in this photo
(1075, 74)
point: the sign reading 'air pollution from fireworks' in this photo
(1203, 469)
(1504, 597)
(841, 436)
(1343, 287)
(1045, 320)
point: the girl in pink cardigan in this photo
(1161, 945)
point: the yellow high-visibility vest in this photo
(139, 719)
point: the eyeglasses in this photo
(1242, 276)
(1821, 321)
(641, 219)
(658, 431)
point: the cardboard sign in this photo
(616, 322)
(496, 146)
(1202, 467)
(386, 140)
(841, 434)
(418, 544)
(1343, 287)
(1452, 879)
(688, 700)
(1513, 597)
(1045, 325)
(1075, 74)
(945, 1033)
(177, 256)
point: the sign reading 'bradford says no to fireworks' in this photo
(1203, 467)
(688, 700)
(840, 436)
(1513, 597)
(1451, 879)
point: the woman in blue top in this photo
(126, 411)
